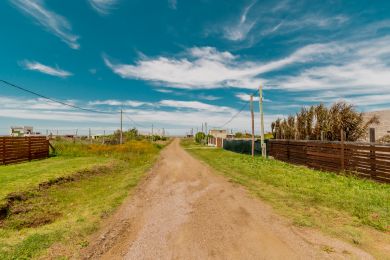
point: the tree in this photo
(200, 137)
(319, 121)
(238, 135)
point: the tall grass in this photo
(77, 149)
(66, 213)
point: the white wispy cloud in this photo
(172, 4)
(304, 22)
(51, 21)
(191, 114)
(207, 67)
(35, 104)
(34, 65)
(176, 104)
(238, 31)
(163, 90)
(194, 105)
(358, 68)
(246, 97)
(103, 7)
(208, 97)
(258, 21)
(113, 102)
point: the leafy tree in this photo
(200, 137)
(238, 135)
(317, 121)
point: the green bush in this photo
(200, 137)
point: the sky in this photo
(176, 64)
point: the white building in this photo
(22, 131)
(384, 126)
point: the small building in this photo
(383, 128)
(20, 131)
(217, 136)
(218, 133)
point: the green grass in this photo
(340, 205)
(57, 221)
(19, 177)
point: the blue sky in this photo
(178, 63)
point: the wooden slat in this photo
(19, 149)
(365, 160)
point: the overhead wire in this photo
(55, 100)
(238, 112)
(103, 112)
(135, 123)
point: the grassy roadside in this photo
(346, 207)
(56, 203)
(20, 177)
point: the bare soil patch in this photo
(183, 210)
(29, 209)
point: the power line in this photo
(239, 111)
(64, 103)
(54, 100)
(135, 123)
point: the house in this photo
(218, 133)
(21, 131)
(384, 126)
(217, 136)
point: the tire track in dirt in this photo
(183, 210)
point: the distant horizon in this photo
(178, 64)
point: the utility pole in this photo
(121, 134)
(89, 135)
(104, 136)
(263, 148)
(253, 126)
(206, 128)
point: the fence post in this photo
(342, 157)
(372, 153)
(4, 153)
(306, 158)
(29, 148)
(288, 150)
(48, 147)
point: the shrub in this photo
(200, 137)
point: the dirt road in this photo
(183, 210)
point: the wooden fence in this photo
(20, 149)
(364, 159)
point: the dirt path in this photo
(185, 211)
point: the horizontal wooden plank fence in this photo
(20, 149)
(363, 159)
